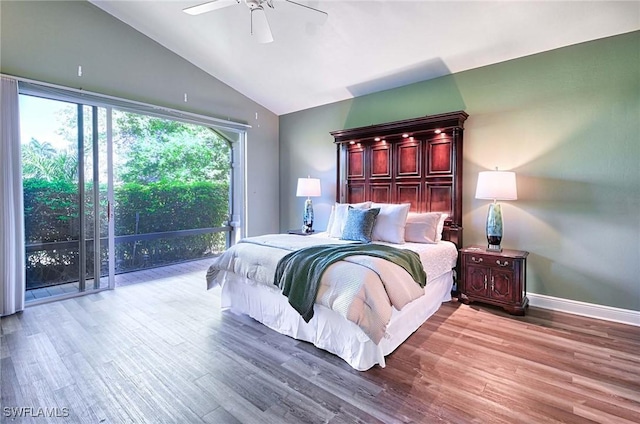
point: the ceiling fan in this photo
(259, 24)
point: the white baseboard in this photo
(607, 313)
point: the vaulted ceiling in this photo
(365, 46)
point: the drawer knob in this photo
(476, 260)
(505, 263)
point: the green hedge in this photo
(170, 206)
(51, 211)
(51, 214)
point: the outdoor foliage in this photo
(43, 161)
(170, 206)
(51, 215)
(169, 176)
(50, 210)
(155, 149)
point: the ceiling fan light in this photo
(260, 26)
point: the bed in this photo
(410, 172)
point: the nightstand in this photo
(498, 278)
(300, 232)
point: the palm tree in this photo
(42, 161)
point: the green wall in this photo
(47, 40)
(566, 121)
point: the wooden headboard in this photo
(417, 161)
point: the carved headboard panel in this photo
(417, 161)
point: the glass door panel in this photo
(65, 186)
(172, 183)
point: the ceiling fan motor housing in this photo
(257, 4)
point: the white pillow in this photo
(340, 217)
(389, 225)
(332, 217)
(423, 227)
(440, 229)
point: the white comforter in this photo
(362, 289)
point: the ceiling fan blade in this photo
(317, 16)
(260, 26)
(208, 7)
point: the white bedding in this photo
(329, 329)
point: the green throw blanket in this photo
(298, 274)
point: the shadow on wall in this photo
(418, 72)
(425, 88)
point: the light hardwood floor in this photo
(162, 352)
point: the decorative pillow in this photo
(359, 224)
(340, 217)
(390, 222)
(423, 227)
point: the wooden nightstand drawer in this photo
(492, 261)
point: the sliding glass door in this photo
(110, 190)
(66, 163)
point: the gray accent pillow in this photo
(359, 224)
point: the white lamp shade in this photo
(497, 185)
(308, 187)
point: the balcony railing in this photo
(54, 263)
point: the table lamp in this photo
(496, 185)
(308, 187)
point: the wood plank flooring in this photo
(162, 352)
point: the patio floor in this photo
(125, 279)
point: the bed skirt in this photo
(327, 329)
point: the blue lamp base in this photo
(307, 217)
(494, 228)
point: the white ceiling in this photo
(365, 45)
